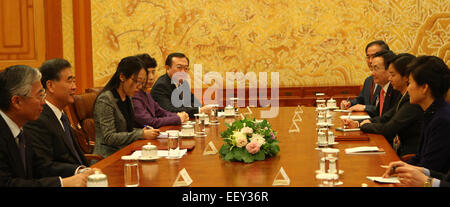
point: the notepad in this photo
(161, 153)
(384, 180)
(356, 117)
(364, 150)
(340, 110)
(348, 130)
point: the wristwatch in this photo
(428, 183)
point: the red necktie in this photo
(381, 101)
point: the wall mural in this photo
(310, 43)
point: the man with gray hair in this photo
(22, 100)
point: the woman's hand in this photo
(150, 133)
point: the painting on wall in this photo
(309, 43)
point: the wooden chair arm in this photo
(405, 158)
(90, 157)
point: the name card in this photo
(210, 149)
(185, 180)
(281, 178)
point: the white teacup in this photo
(149, 151)
(97, 180)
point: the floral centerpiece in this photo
(247, 140)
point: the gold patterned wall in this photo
(310, 43)
(67, 27)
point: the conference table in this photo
(298, 156)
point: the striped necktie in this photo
(22, 149)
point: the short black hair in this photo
(400, 63)
(176, 54)
(387, 55)
(149, 61)
(381, 43)
(433, 71)
(51, 70)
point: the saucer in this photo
(187, 136)
(324, 124)
(148, 158)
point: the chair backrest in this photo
(448, 96)
(83, 107)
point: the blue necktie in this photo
(68, 137)
(22, 149)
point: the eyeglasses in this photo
(376, 68)
(136, 81)
(368, 57)
(40, 97)
(182, 67)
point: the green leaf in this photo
(229, 156)
(259, 156)
(224, 149)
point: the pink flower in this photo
(253, 147)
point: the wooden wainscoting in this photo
(30, 32)
(287, 96)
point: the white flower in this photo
(247, 130)
(258, 138)
(241, 139)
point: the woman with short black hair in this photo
(429, 81)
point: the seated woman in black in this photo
(429, 81)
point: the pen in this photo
(349, 113)
(148, 127)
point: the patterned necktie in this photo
(382, 93)
(68, 136)
(22, 149)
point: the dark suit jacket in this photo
(51, 146)
(390, 101)
(434, 153)
(405, 122)
(162, 93)
(364, 97)
(445, 178)
(12, 172)
(148, 112)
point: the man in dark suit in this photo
(53, 138)
(173, 93)
(22, 100)
(388, 97)
(366, 101)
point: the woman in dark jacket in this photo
(429, 81)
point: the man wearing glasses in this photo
(22, 100)
(172, 92)
(53, 139)
(366, 101)
(388, 97)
